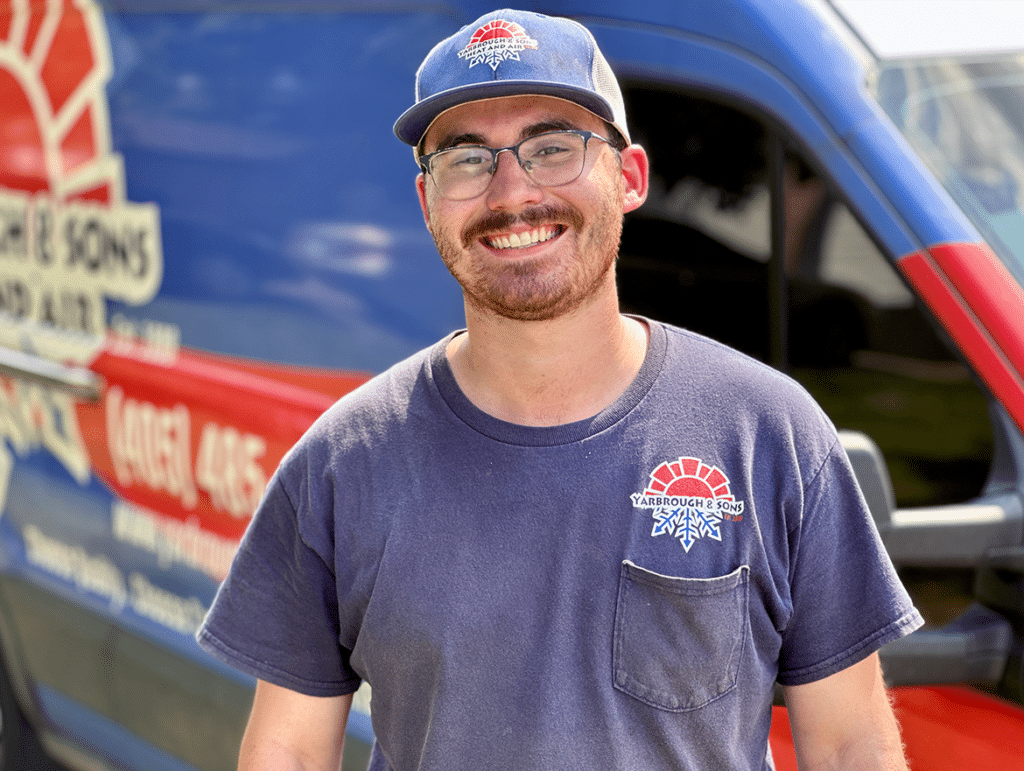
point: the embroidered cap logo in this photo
(690, 499)
(495, 42)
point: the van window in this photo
(829, 308)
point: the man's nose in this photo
(511, 186)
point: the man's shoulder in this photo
(396, 383)
(378, 406)
(704, 356)
(705, 369)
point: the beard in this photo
(534, 289)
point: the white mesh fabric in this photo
(606, 85)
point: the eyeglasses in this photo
(550, 159)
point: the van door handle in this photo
(80, 382)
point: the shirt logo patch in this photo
(495, 42)
(689, 501)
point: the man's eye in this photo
(549, 150)
(463, 160)
(552, 153)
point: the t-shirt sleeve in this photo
(846, 597)
(275, 616)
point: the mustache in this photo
(497, 221)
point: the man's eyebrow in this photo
(460, 139)
(554, 124)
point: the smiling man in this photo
(562, 538)
(517, 252)
(527, 251)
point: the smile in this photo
(523, 240)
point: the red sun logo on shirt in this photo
(689, 500)
(689, 477)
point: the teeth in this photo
(520, 240)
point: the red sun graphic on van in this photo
(53, 118)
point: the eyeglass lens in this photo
(551, 159)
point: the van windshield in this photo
(966, 121)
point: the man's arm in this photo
(288, 731)
(846, 722)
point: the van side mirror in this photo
(872, 474)
(976, 647)
(979, 647)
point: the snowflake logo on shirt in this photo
(689, 500)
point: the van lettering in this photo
(228, 468)
(32, 415)
(15, 298)
(107, 247)
(67, 310)
(151, 445)
(13, 243)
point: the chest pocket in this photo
(678, 641)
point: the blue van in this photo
(208, 233)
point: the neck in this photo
(545, 373)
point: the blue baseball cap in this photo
(511, 53)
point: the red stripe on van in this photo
(196, 438)
(981, 306)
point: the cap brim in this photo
(415, 121)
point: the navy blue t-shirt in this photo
(618, 593)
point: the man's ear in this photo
(421, 191)
(635, 176)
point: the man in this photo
(562, 538)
